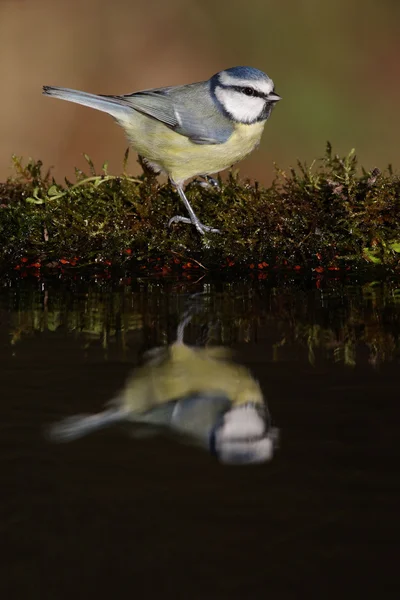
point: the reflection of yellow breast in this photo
(187, 371)
(179, 157)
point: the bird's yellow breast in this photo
(186, 371)
(180, 158)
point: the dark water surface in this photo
(109, 516)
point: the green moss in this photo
(326, 216)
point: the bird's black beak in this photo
(273, 97)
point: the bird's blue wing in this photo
(190, 110)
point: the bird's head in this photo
(244, 94)
(244, 436)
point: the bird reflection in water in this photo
(198, 394)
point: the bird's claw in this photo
(202, 229)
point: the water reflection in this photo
(198, 394)
(324, 509)
(347, 324)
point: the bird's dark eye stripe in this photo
(248, 91)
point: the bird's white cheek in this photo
(241, 423)
(244, 109)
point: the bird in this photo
(191, 130)
(197, 394)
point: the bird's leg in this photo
(193, 217)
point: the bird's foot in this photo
(206, 181)
(202, 229)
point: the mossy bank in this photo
(331, 215)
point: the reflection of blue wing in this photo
(151, 423)
(194, 417)
(159, 416)
(197, 416)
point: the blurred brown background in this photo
(336, 65)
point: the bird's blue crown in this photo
(246, 73)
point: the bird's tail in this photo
(113, 105)
(78, 426)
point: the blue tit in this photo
(189, 130)
(197, 394)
